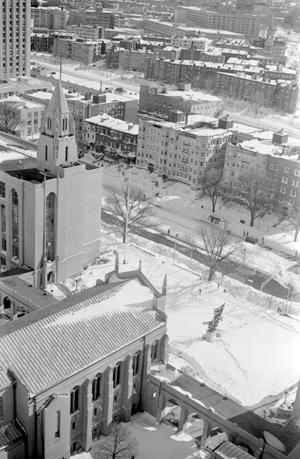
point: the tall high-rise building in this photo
(14, 38)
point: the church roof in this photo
(50, 345)
(58, 100)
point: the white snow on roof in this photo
(118, 125)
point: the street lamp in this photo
(175, 242)
(127, 214)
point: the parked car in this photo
(216, 219)
(251, 239)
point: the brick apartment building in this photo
(127, 59)
(275, 160)
(183, 151)
(114, 139)
(260, 90)
(79, 50)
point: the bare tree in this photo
(131, 211)
(218, 244)
(119, 444)
(212, 188)
(292, 213)
(252, 195)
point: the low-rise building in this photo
(22, 85)
(114, 139)
(20, 117)
(200, 43)
(161, 102)
(87, 32)
(185, 150)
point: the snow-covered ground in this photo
(156, 441)
(256, 354)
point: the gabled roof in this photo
(58, 101)
(52, 344)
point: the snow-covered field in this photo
(256, 353)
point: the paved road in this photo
(232, 269)
(92, 77)
(262, 124)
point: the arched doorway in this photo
(171, 413)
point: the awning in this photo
(230, 451)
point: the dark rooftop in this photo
(37, 296)
(29, 175)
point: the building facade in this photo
(79, 50)
(275, 161)
(21, 118)
(235, 21)
(15, 29)
(115, 139)
(183, 151)
(35, 195)
(52, 18)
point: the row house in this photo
(245, 88)
(114, 139)
(183, 151)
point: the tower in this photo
(57, 144)
(15, 38)
(269, 42)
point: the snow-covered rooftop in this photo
(113, 123)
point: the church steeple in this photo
(57, 143)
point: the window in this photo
(3, 228)
(271, 167)
(277, 167)
(74, 400)
(270, 176)
(275, 177)
(295, 183)
(66, 154)
(284, 180)
(2, 189)
(281, 199)
(286, 170)
(15, 224)
(96, 389)
(57, 433)
(297, 172)
(1, 409)
(273, 187)
(135, 363)
(154, 350)
(117, 375)
(293, 193)
(46, 153)
(282, 189)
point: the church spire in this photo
(57, 145)
(58, 101)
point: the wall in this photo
(57, 437)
